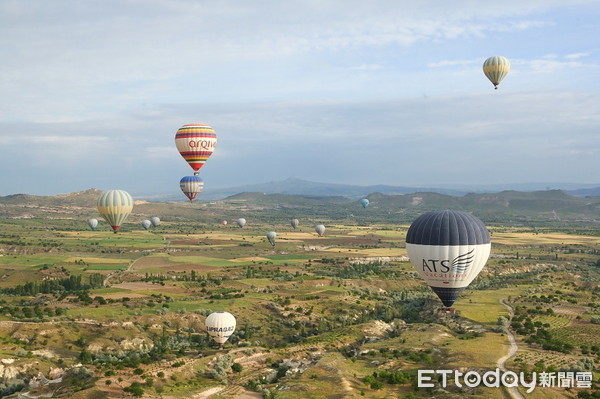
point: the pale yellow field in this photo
(543, 239)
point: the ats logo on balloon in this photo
(458, 265)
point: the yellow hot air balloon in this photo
(496, 68)
(115, 206)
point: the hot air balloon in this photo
(271, 235)
(295, 223)
(155, 221)
(241, 222)
(196, 143)
(93, 223)
(146, 224)
(320, 229)
(448, 249)
(496, 68)
(220, 326)
(224, 222)
(364, 202)
(115, 206)
(191, 186)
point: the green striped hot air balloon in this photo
(496, 68)
(115, 206)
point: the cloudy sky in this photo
(345, 91)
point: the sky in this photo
(341, 91)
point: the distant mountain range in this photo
(320, 201)
(294, 186)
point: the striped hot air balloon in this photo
(448, 249)
(191, 186)
(115, 206)
(196, 143)
(496, 68)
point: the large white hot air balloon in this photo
(220, 326)
(496, 68)
(146, 224)
(241, 222)
(320, 229)
(295, 223)
(448, 249)
(93, 223)
(115, 206)
(155, 221)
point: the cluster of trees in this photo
(68, 284)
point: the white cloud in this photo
(575, 56)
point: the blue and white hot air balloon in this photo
(448, 249)
(191, 186)
(364, 202)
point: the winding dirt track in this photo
(512, 391)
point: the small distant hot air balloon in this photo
(496, 68)
(146, 224)
(220, 326)
(295, 223)
(191, 186)
(93, 223)
(241, 222)
(155, 221)
(271, 235)
(115, 206)
(224, 222)
(196, 143)
(320, 229)
(364, 202)
(448, 249)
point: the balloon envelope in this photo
(115, 206)
(146, 224)
(295, 223)
(196, 143)
(364, 202)
(191, 186)
(271, 235)
(224, 222)
(241, 222)
(155, 221)
(320, 229)
(448, 249)
(220, 326)
(93, 223)
(496, 68)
